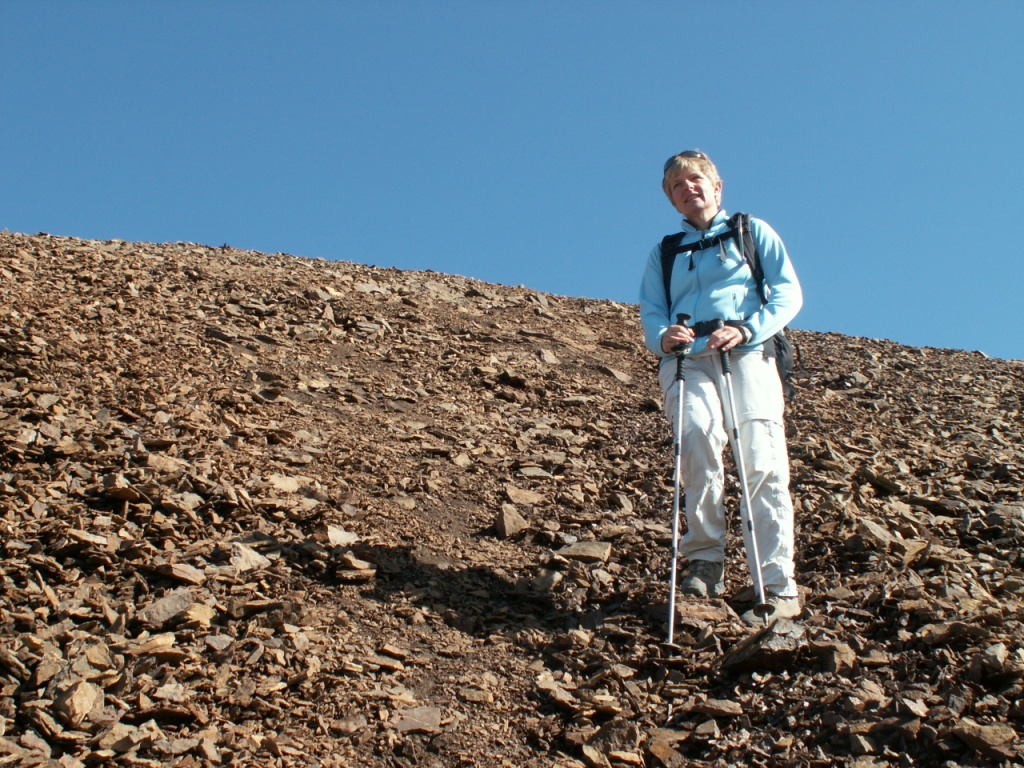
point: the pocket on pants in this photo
(758, 387)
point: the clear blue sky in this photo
(521, 141)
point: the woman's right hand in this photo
(676, 336)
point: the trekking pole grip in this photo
(726, 362)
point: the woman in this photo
(714, 287)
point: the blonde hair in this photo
(692, 159)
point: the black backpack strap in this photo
(669, 250)
(740, 224)
(782, 348)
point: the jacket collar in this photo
(720, 218)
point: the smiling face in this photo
(695, 191)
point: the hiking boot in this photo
(703, 579)
(782, 608)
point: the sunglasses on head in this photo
(688, 153)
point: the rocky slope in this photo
(260, 509)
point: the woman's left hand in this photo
(725, 338)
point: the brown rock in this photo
(987, 739)
(76, 702)
(587, 551)
(510, 523)
(775, 647)
(167, 609)
(420, 720)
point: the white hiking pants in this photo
(707, 427)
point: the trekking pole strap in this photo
(707, 327)
(681, 350)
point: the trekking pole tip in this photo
(764, 611)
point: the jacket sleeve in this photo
(785, 296)
(654, 310)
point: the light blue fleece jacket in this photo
(721, 286)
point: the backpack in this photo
(783, 349)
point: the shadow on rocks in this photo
(475, 599)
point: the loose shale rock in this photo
(266, 510)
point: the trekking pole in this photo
(762, 609)
(680, 353)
